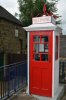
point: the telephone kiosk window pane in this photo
(36, 38)
(44, 57)
(36, 48)
(46, 47)
(44, 38)
(37, 57)
(40, 48)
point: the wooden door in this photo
(41, 63)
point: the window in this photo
(36, 38)
(16, 32)
(44, 57)
(56, 48)
(46, 47)
(40, 48)
(44, 39)
(37, 57)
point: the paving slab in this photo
(22, 97)
(64, 97)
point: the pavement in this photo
(28, 98)
(24, 96)
(64, 98)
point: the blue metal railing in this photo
(13, 77)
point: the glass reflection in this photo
(44, 39)
(36, 38)
(44, 57)
(37, 57)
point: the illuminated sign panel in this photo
(43, 19)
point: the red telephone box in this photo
(43, 58)
(41, 63)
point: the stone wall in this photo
(8, 42)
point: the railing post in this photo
(1, 89)
(15, 84)
(63, 72)
(8, 81)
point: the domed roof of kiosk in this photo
(43, 23)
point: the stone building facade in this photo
(12, 35)
(9, 43)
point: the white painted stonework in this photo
(57, 90)
(45, 26)
(27, 90)
(57, 96)
(56, 67)
(43, 23)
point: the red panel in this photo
(36, 80)
(41, 71)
